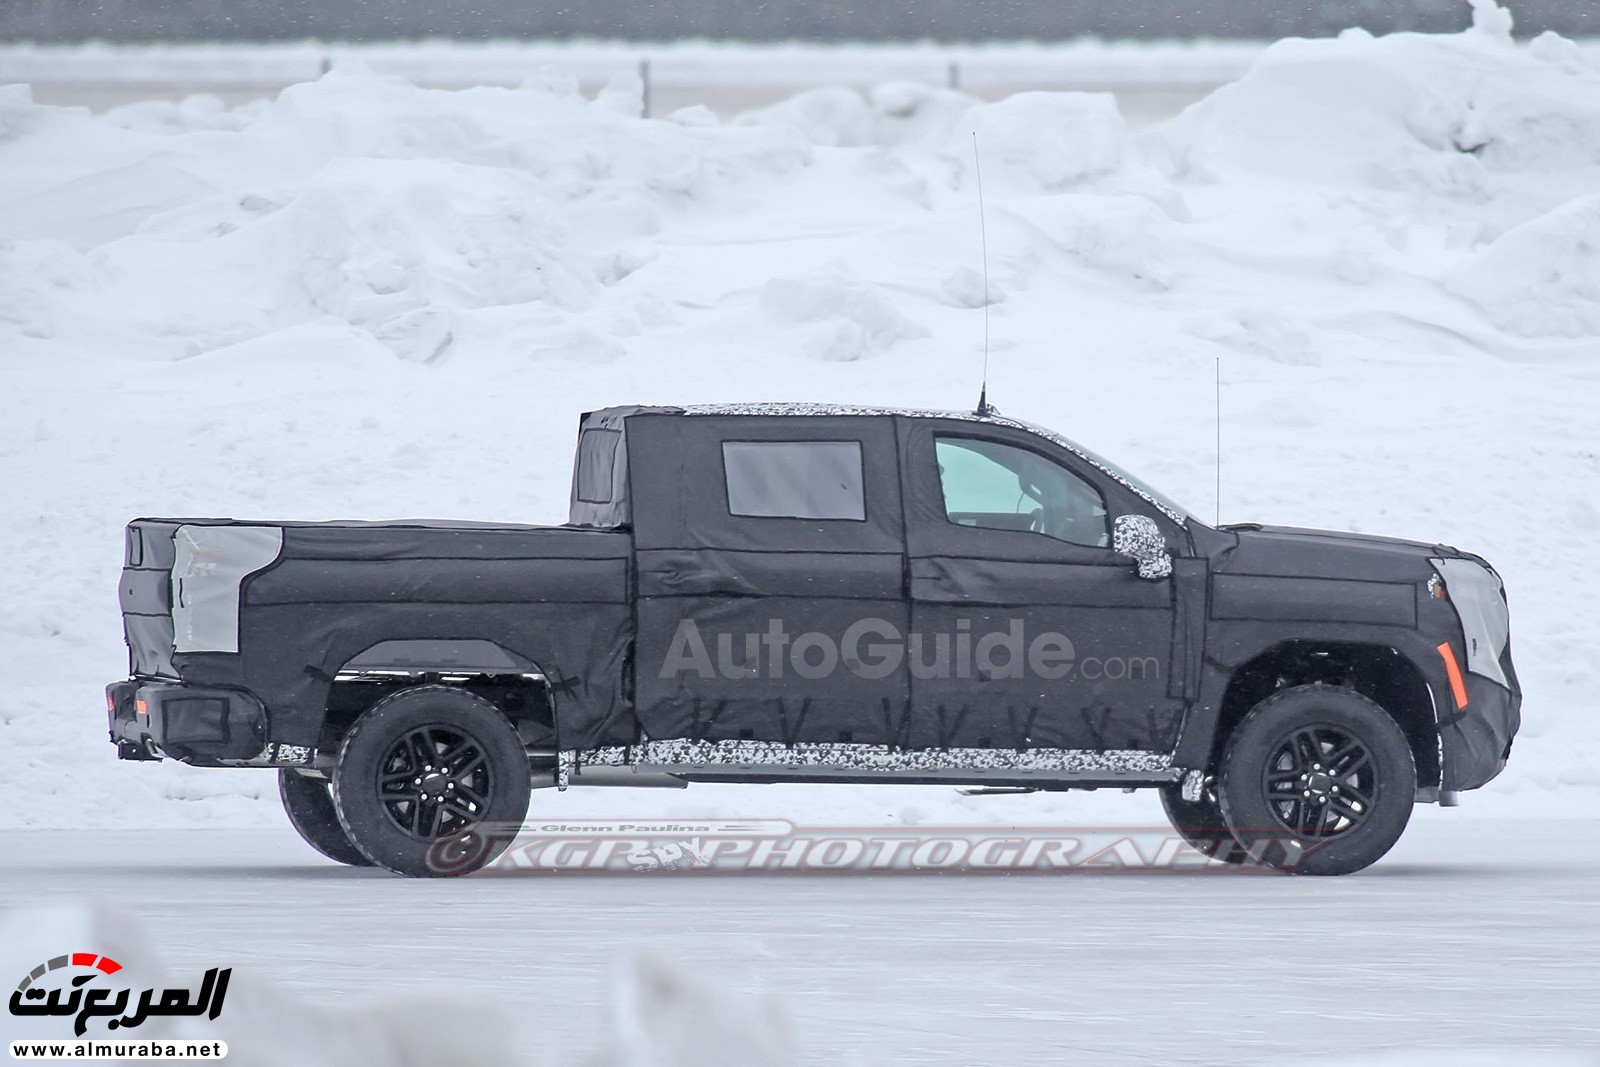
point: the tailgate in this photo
(145, 593)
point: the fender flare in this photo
(439, 655)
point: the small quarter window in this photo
(795, 479)
(597, 458)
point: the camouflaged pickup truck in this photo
(770, 593)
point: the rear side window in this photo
(597, 458)
(794, 479)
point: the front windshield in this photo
(1162, 500)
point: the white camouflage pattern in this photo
(1138, 537)
(841, 756)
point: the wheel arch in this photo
(454, 655)
(1381, 673)
(516, 685)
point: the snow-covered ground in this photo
(367, 299)
(1472, 946)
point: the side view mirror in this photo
(1139, 538)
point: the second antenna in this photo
(983, 228)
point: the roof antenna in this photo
(1219, 441)
(984, 409)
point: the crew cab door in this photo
(771, 570)
(1028, 630)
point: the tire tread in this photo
(1267, 707)
(364, 723)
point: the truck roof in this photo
(1163, 503)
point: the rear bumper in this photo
(207, 727)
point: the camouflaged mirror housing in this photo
(768, 593)
(1139, 538)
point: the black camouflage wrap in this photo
(597, 608)
(556, 598)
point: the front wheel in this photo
(432, 782)
(1318, 779)
(309, 803)
(1200, 823)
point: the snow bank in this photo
(1540, 278)
(698, 63)
(368, 299)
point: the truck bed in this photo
(555, 598)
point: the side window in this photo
(795, 479)
(1000, 487)
(597, 457)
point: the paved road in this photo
(1472, 934)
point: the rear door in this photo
(771, 577)
(1028, 631)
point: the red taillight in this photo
(111, 703)
(141, 708)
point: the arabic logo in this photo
(31, 999)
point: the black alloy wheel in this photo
(1321, 781)
(435, 780)
(1317, 779)
(431, 782)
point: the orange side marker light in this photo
(1457, 686)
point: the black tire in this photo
(1200, 823)
(421, 818)
(1317, 779)
(309, 802)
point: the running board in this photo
(997, 790)
(845, 761)
(637, 777)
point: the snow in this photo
(1540, 278)
(1474, 945)
(700, 63)
(402, 1028)
(365, 299)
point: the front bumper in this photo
(1479, 698)
(150, 720)
(1475, 741)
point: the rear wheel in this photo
(432, 782)
(309, 802)
(1318, 779)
